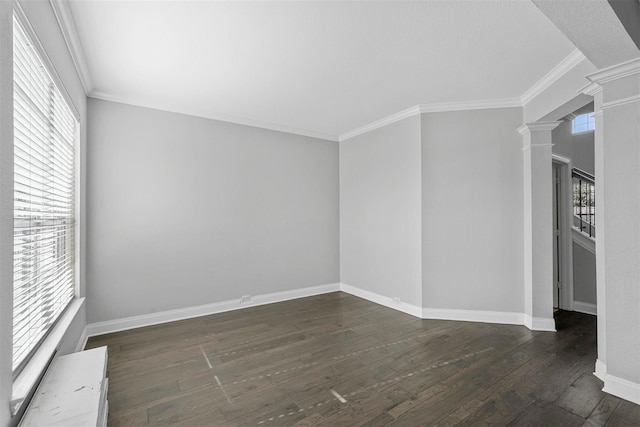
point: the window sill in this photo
(28, 379)
(582, 132)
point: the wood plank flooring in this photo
(338, 360)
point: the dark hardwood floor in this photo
(337, 360)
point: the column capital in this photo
(620, 84)
(591, 89)
(528, 128)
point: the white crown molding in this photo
(432, 108)
(213, 116)
(616, 72)
(109, 326)
(485, 104)
(591, 89)
(67, 25)
(566, 65)
(404, 114)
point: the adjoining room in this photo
(265, 213)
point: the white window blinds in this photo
(45, 132)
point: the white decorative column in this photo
(617, 154)
(596, 91)
(538, 225)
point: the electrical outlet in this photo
(245, 299)
(397, 300)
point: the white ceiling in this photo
(320, 68)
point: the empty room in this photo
(319, 213)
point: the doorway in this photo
(562, 247)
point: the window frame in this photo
(28, 375)
(590, 123)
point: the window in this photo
(583, 123)
(584, 202)
(45, 134)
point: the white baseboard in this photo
(540, 323)
(82, 341)
(585, 307)
(405, 307)
(508, 318)
(622, 388)
(600, 370)
(503, 317)
(109, 326)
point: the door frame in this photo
(566, 240)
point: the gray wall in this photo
(584, 275)
(185, 211)
(472, 210)
(43, 21)
(380, 211)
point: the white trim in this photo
(600, 370)
(539, 323)
(620, 102)
(213, 116)
(109, 326)
(485, 104)
(502, 317)
(585, 307)
(538, 127)
(82, 341)
(615, 72)
(582, 240)
(67, 25)
(622, 388)
(591, 89)
(404, 114)
(566, 198)
(404, 307)
(566, 65)
(431, 108)
(32, 372)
